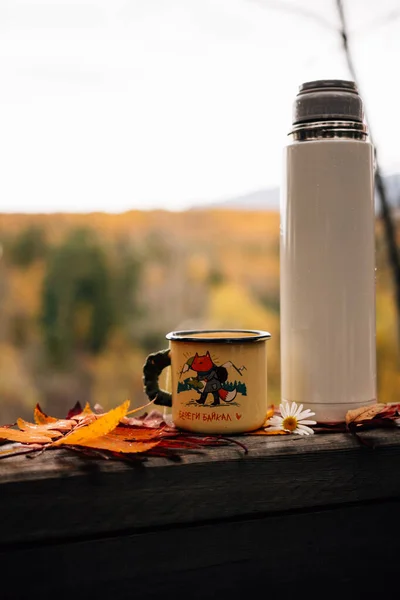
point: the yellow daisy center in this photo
(289, 423)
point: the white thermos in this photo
(327, 254)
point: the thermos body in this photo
(327, 264)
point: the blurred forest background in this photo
(116, 105)
(85, 298)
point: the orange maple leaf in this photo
(25, 437)
(52, 429)
(266, 431)
(40, 417)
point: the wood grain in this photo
(59, 496)
(345, 552)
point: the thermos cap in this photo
(328, 100)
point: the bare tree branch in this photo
(389, 226)
(296, 10)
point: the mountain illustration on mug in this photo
(211, 379)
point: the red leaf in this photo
(391, 411)
(138, 433)
(75, 410)
(115, 444)
(153, 419)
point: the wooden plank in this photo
(62, 496)
(347, 552)
(60, 464)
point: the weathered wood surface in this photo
(348, 553)
(217, 523)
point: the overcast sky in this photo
(119, 104)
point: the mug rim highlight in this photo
(252, 335)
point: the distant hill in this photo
(264, 199)
(268, 199)
(393, 187)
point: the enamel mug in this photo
(218, 378)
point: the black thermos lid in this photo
(328, 100)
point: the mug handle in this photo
(154, 365)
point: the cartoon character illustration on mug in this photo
(211, 380)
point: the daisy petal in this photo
(307, 422)
(293, 408)
(302, 431)
(276, 421)
(298, 411)
(305, 430)
(283, 408)
(305, 414)
(287, 408)
(273, 428)
(297, 431)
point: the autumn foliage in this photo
(112, 434)
(85, 298)
(117, 435)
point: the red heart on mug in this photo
(238, 416)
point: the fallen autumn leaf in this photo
(101, 426)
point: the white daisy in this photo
(293, 419)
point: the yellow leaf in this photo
(100, 427)
(270, 412)
(26, 437)
(40, 417)
(87, 410)
(269, 415)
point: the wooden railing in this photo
(318, 514)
